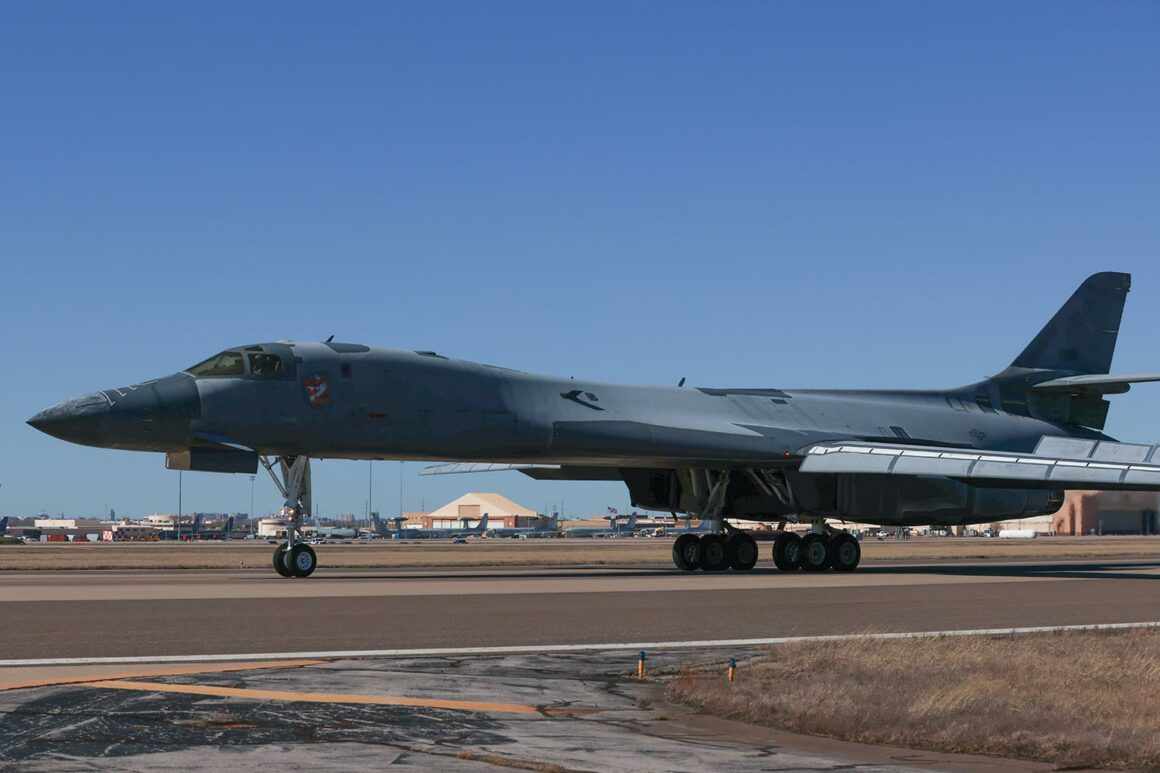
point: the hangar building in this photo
(1107, 512)
(467, 510)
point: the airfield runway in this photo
(94, 614)
(335, 672)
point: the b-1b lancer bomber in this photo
(1003, 447)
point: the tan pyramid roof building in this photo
(467, 510)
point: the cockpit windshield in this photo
(265, 365)
(224, 364)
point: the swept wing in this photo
(1059, 461)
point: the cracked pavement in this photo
(591, 715)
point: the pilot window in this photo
(224, 364)
(265, 365)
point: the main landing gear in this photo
(293, 558)
(724, 547)
(816, 551)
(721, 548)
(712, 552)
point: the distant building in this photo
(1107, 512)
(131, 532)
(467, 511)
(272, 528)
(1042, 525)
(55, 523)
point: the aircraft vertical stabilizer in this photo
(1081, 337)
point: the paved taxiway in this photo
(111, 614)
(465, 711)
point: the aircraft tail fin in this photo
(483, 524)
(3, 524)
(1081, 337)
(229, 527)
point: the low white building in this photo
(55, 523)
(272, 528)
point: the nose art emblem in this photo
(317, 390)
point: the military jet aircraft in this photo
(614, 528)
(549, 529)
(398, 531)
(1002, 447)
(460, 532)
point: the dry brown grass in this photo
(1073, 699)
(622, 553)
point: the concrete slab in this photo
(591, 715)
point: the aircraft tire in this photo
(845, 552)
(714, 555)
(740, 551)
(815, 553)
(687, 552)
(787, 551)
(280, 560)
(302, 560)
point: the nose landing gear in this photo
(293, 558)
(297, 561)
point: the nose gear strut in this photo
(293, 558)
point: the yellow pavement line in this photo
(51, 676)
(317, 697)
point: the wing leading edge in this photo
(537, 471)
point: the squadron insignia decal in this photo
(317, 391)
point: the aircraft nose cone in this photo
(79, 420)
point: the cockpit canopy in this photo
(258, 361)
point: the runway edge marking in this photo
(549, 649)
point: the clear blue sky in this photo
(744, 194)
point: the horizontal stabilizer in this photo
(1066, 462)
(1099, 383)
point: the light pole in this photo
(251, 497)
(178, 524)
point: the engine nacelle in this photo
(907, 501)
